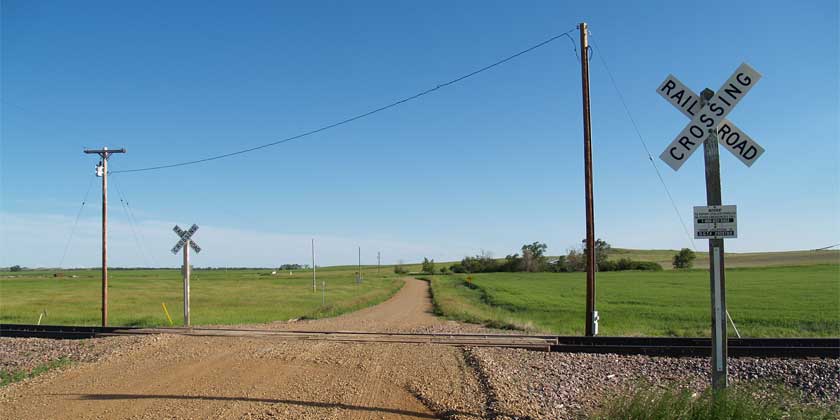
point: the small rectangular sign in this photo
(715, 222)
(711, 115)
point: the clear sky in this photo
(489, 163)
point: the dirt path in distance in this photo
(263, 377)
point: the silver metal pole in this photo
(187, 283)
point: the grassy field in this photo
(733, 260)
(764, 302)
(217, 296)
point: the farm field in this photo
(764, 302)
(217, 296)
(733, 260)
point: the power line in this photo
(644, 145)
(360, 116)
(826, 247)
(131, 222)
(76, 222)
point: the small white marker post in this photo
(186, 242)
(708, 124)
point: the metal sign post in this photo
(709, 125)
(186, 242)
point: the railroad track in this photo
(653, 346)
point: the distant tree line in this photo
(533, 259)
(287, 267)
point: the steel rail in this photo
(652, 346)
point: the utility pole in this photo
(378, 262)
(102, 170)
(359, 278)
(314, 283)
(591, 314)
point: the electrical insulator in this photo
(100, 170)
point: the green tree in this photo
(399, 269)
(15, 268)
(684, 258)
(533, 256)
(602, 251)
(428, 266)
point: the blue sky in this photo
(490, 163)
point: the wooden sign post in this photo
(708, 126)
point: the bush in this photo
(428, 266)
(684, 258)
(15, 268)
(399, 269)
(479, 264)
(444, 270)
(628, 264)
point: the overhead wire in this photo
(76, 222)
(644, 145)
(131, 222)
(359, 116)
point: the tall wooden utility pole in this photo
(591, 315)
(378, 261)
(314, 282)
(102, 170)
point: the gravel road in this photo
(266, 378)
(262, 378)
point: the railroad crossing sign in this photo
(714, 115)
(708, 127)
(185, 237)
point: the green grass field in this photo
(733, 260)
(664, 257)
(764, 302)
(217, 296)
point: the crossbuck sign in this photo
(712, 115)
(709, 127)
(185, 237)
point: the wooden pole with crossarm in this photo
(102, 170)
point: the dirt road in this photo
(257, 378)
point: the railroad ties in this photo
(652, 346)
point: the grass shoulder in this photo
(738, 402)
(795, 301)
(11, 376)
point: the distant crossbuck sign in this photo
(185, 236)
(713, 114)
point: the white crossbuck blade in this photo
(185, 236)
(711, 115)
